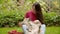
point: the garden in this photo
(12, 12)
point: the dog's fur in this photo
(33, 27)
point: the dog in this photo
(33, 27)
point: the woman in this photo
(35, 14)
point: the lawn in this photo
(49, 30)
(53, 30)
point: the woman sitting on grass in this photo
(35, 14)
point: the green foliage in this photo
(52, 19)
(11, 14)
(48, 16)
(57, 20)
(10, 18)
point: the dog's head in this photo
(37, 22)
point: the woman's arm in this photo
(30, 15)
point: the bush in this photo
(10, 13)
(57, 20)
(11, 18)
(51, 19)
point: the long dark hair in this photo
(38, 10)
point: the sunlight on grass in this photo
(6, 30)
(53, 30)
(49, 30)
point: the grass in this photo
(6, 30)
(49, 30)
(53, 30)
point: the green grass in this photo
(6, 30)
(53, 30)
(49, 30)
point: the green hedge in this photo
(12, 18)
(52, 19)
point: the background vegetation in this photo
(13, 11)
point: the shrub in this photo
(49, 18)
(57, 20)
(11, 18)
